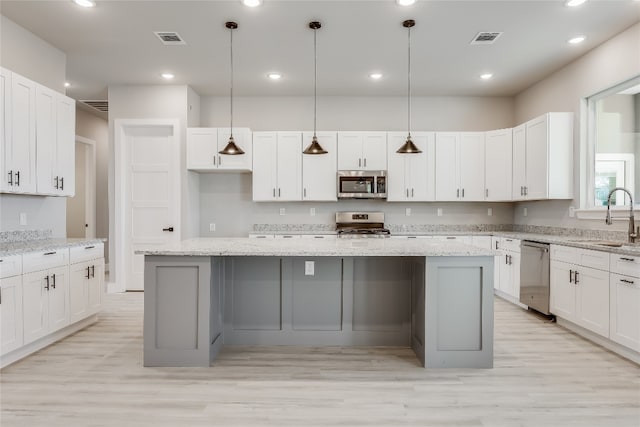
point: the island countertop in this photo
(243, 246)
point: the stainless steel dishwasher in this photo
(534, 276)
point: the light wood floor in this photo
(543, 376)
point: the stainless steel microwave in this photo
(362, 184)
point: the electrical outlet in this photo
(309, 268)
(281, 211)
(23, 218)
(312, 211)
(490, 211)
(212, 227)
(439, 211)
(524, 212)
(407, 211)
(572, 212)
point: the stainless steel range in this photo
(361, 224)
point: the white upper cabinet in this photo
(204, 144)
(277, 166)
(498, 165)
(55, 142)
(411, 177)
(362, 150)
(319, 171)
(543, 158)
(18, 162)
(460, 166)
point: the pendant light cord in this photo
(231, 84)
(409, 87)
(315, 82)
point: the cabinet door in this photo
(319, 171)
(5, 129)
(58, 298)
(10, 314)
(537, 161)
(242, 138)
(374, 151)
(79, 277)
(202, 148)
(592, 300)
(471, 166)
(350, 151)
(35, 307)
(397, 168)
(519, 162)
(506, 275)
(264, 177)
(22, 144)
(289, 166)
(47, 181)
(95, 287)
(624, 311)
(65, 166)
(421, 178)
(498, 163)
(447, 167)
(514, 264)
(562, 298)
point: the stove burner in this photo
(361, 224)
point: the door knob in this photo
(168, 229)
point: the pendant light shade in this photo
(409, 147)
(231, 148)
(315, 147)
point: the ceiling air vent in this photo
(102, 106)
(169, 38)
(485, 37)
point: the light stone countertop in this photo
(24, 246)
(244, 246)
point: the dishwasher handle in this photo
(537, 245)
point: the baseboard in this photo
(45, 341)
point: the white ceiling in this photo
(114, 43)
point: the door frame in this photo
(90, 208)
(121, 166)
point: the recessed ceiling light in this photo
(486, 76)
(574, 3)
(167, 76)
(67, 84)
(252, 3)
(576, 40)
(405, 2)
(274, 76)
(375, 76)
(85, 3)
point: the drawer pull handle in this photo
(627, 259)
(451, 238)
(509, 240)
(630, 282)
(50, 253)
(89, 247)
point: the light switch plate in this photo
(23, 218)
(439, 211)
(212, 227)
(572, 212)
(407, 211)
(312, 211)
(490, 211)
(282, 211)
(309, 268)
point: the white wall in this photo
(612, 62)
(24, 53)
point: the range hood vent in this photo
(102, 106)
(169, 38)
(485, 37)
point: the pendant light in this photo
(231, 148)
(409, 147)
(315, 147)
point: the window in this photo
(614, 144)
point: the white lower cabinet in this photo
(624, 301)
(45, 302)
(507, 266)
(85, 289)
(10, 313)
(579, 293)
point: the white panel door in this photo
(374, 151)
(350, 151)
(58, 298)
(65, 144)
(537, 161)
(397, 172)
(562, 292)
(152, 193)
(242, 138)
(35, 306)
(202, 148)
(264, 177)
(319, 179)
(289, 166)
(47, 179)
(10, 314)
(421, 167)
(23, 134)
(519, 162)
(592, 300)
(447, 167)
(471, 166)
(5, 128)
(498, 165)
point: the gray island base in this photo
(435, 297)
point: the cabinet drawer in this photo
(86, 252)
(43, 260)
(625, 264)
(563, 253)
(509, 244)
(10, 266)
(593, 259)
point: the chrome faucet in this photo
(633, 233)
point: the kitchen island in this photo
(434, 296)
